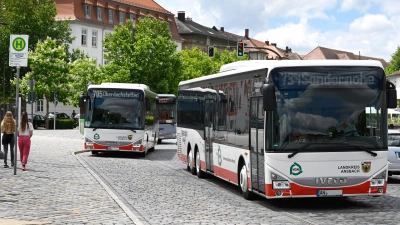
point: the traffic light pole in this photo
(55, 115)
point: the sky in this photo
(367, 27)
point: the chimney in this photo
(181, 16)
(246, 33)
(267, 42)
(274, 44)
(222, 29)
(287, 49)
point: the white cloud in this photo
(371, 23)
(359, 5)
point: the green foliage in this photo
(50, 70)
(35, 18)
(60, 124)
(197, 63)
(142, 54)
(83, 71)
(394, 64)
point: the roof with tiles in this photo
(323, 53)
(188, 26)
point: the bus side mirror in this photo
(269, 101)
(391, 94)
(82, 104)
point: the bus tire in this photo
(243, 183)
(191, 167)
(143, 154)
(200, 173)
(159, 141)
(95, 152)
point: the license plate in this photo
(111, 148)
(322, 193)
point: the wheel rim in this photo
(243, 179)
(198, 162)
(190, 159)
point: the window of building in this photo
(170, 27)
(110, 16)
(99, 14)
(84, 36)
(88, 11)
(121, 17)
(94, 38)
(39, 106)
(132, 17)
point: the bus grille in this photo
(178, 144)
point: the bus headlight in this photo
(379, 179)
(280, 184)
(377, 182)
(88, 142)
(138, 142)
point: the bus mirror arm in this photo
(391, 95)
(269, 100)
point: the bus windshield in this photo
(328, 109)
(166, 112)
(115, 109)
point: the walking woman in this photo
(8, 129)
(25, 133)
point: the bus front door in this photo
(209, 127)
(256, 136)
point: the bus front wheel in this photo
(243, 183)
(95, 152)
(191, 167)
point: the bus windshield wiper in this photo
(361, 148)
(299, 150)
(98, 126)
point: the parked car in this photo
(394, 152)
(59, 115)
(38, 120)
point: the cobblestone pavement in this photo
(62, 188)
(56, 188)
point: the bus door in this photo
(256, 136)
(209, 127)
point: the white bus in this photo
(287, 129)
(166, 115)
(119, 117)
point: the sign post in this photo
(18, 58)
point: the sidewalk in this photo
(56, 188)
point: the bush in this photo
(60, 124)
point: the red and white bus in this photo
(166, 115)
(286, 129)
(119, 117)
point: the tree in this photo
(50, 70)
(83, 72)
(394, 64)
(35, 18)
(142, 54)
(157, 62)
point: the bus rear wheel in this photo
(95, 152)
(200, 173)
(159, 141)
(243, 183)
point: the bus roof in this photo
(142, 87)
(253, 65)
(166, 95)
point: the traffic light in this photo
(52, 96)
(210, 51)
(240, 49)
(56, 94)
